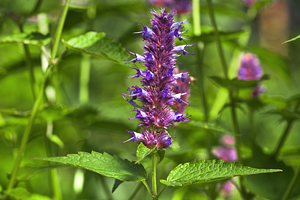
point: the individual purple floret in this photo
(157, 93)
(226, 154)
(250, 68)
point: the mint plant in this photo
(206, 125)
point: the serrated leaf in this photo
(207, 171)
(99, 45)
(208, 126)
(142, 152)
(104, 164)
(34, 38)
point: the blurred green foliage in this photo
(101, 123)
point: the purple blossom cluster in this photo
(180, 6)
(250, 69)
(158, 94)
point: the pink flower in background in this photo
(227, 187)
(257, 91)
(226, 154)
(228, 140)
(250, 68)
(181, 87)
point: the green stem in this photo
(218, 39)
(147, 187)
(162, 191)
(55, 185)
(231, 98)
(283, 138)
(137, 189)
(37, 103)
(292, 185)
(196, 18)
(154, 184)
(27, 131)
(200, 52)
(84, 79)
(59, 31)
(285, 133)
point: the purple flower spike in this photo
(158, 93)
(226, 154)
(250, 68)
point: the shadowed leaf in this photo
(99, 45)
(104, 164)
(33, 38)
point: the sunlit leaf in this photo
(142, 152)
(34, 38)
(278, 101)
(207, 171)
(18, 193)
(104, 164)
(99, 45)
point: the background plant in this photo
(75, 85)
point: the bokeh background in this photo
(98, 121)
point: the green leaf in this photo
(34, 38)
(18, 193)
(116, 185)
(207, 171)
(142, 152)
(104, 164)
(208, 35)
(240, 84)
(208, 126)
(278, 101)
(293, 39)
(160, 155)
(38, 197)
(99, 45)
(273, 61)
(286, 114)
